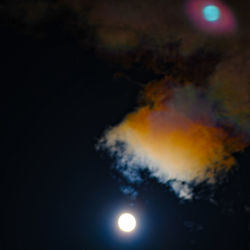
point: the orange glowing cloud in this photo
(176, 136)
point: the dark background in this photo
(58, 95)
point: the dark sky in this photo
(59, 92)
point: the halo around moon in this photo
(126, 222)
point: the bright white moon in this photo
(127, 222)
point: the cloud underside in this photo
(180, 135)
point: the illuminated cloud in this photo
(177, 136)
(184, 133)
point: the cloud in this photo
(230, 88)
(187, 127)
(129, 25)
(178, 136)
(189, 124)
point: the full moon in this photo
(211, 13)
(127, 222)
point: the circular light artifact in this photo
(211, 16)
(211, 13)
(127, 222)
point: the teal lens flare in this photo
(211, 13)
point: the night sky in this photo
(70, 70)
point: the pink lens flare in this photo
(224, 23)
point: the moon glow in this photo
(127, 222)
